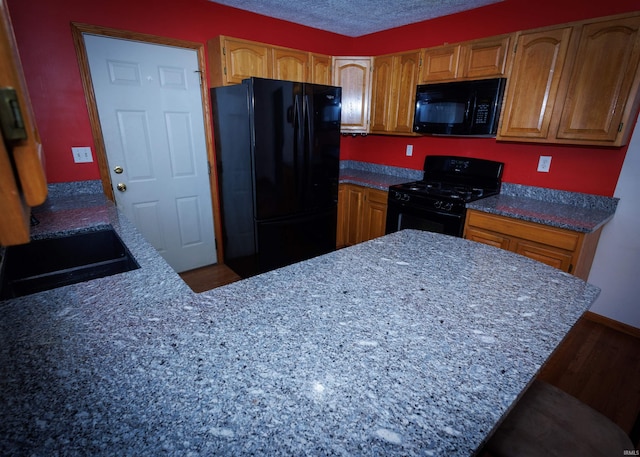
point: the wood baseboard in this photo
(612, 323)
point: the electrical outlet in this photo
(82, 155)
(544, 164)
(409, 150)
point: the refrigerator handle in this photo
(308, 137)
(297, 142)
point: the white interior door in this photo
(149, 102)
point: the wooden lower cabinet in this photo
(362, 214)
(566, 250)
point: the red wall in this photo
(43, 33)
(49, 60)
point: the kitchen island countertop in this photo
(410, 344)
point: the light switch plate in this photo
(82, 155)
(409, 150)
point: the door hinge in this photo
(209, 167)
(570, 270)
(200, 75)
(620, 127)
(515, 48)
(224, 50)
(225, 71)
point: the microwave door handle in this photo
(466, 112)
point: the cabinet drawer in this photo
(553, 257)
(490, 238)
(551, 236)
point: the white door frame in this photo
(100, 150)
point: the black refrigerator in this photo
(278, 157)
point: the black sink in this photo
(55, 262)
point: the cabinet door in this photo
(243, 59)
(486, 58)
(290, 65)
(601, 80)
(374, 214)
(546, 254)
(440, 63)
(533, 83)
(353, 74)
(320, 69)
(354, 197)
(382, 94)
(341, 229)
(404, 90)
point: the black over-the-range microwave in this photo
(465, 108)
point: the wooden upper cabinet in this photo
(599, 105)
(407, 69)
(394, 83)
(440, 63)
(476, 59)
(486, 58)
(353, 74)
(290, 65)
(232, 60)
(533, 83)
(576, 84)
(382, 94)
(320, 69)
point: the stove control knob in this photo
(448, 206)
(438, 204)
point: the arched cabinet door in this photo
(598, 97)
(533, 84)
(353, 74)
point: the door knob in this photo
(118, 169)
(121, 186)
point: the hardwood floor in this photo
(597, 363)
(600, 366)
(210, 277)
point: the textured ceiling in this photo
(355, 17)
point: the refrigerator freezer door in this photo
(286, 241)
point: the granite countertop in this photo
(580, 212)
(376, 176)
(569, 210)
(414, 343)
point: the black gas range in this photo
(437, 203)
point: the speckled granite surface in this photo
(569, 210)
(374, 175)
(411, 344)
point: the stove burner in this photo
(444, 190)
